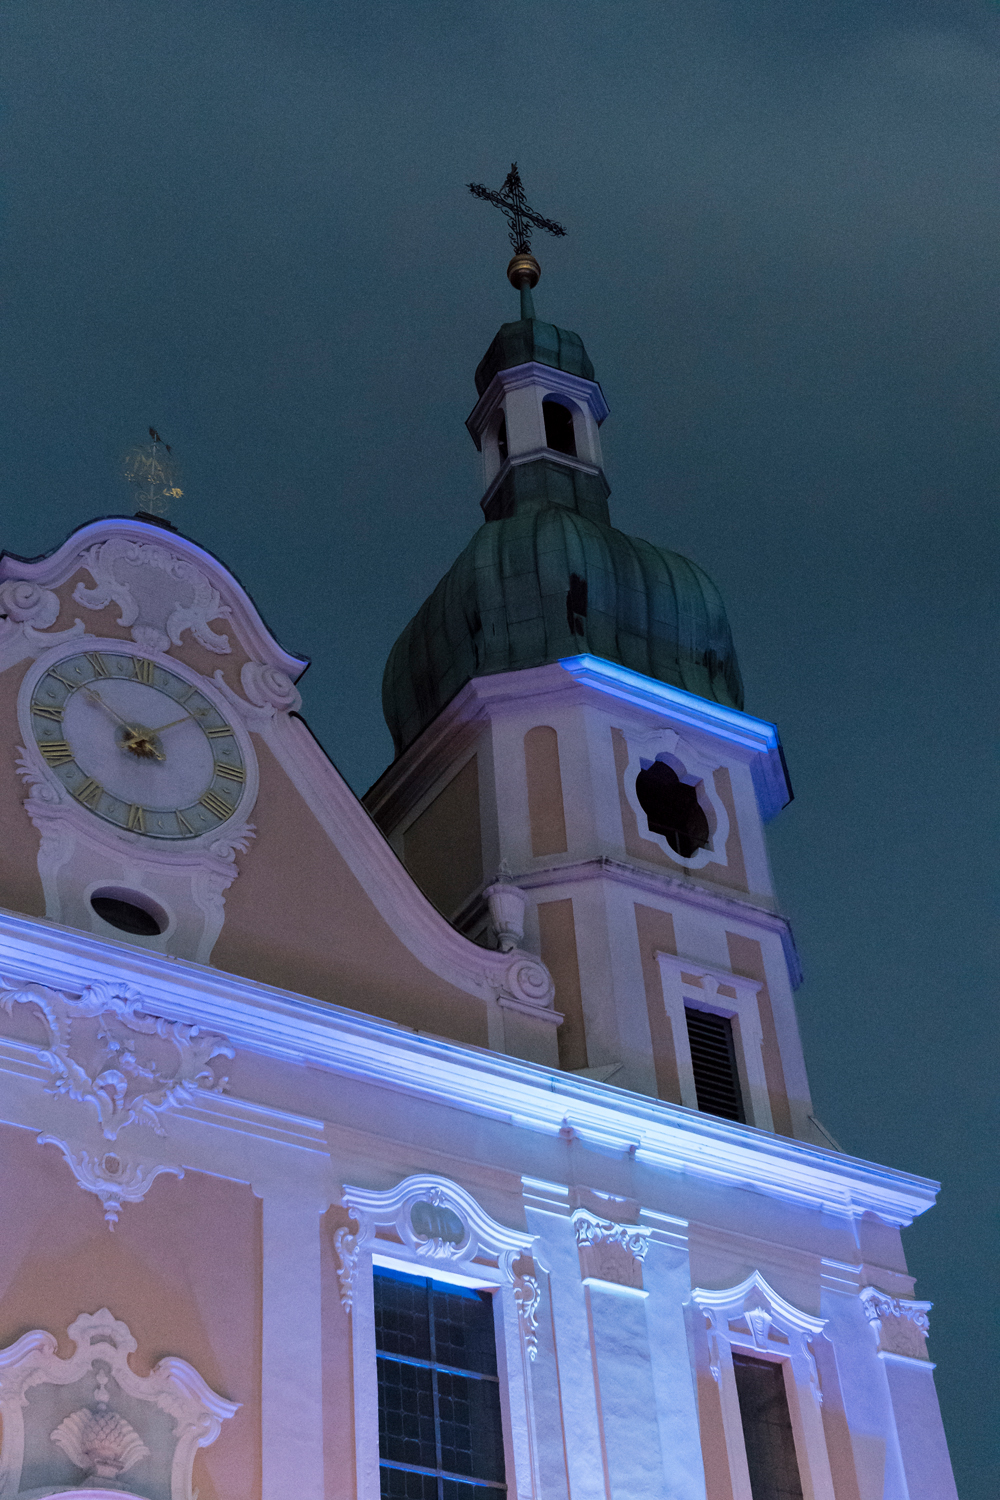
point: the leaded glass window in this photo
(440, 1434)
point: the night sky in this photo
(246, 223)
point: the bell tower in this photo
(567, 710)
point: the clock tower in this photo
(451, 1146)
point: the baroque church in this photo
(453, 1143)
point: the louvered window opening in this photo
(440, 1433)
(713, 1058)
(767, 1429)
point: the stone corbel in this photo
(900, 1324)
(527, 986)
(611, 1254)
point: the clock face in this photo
(137, 745)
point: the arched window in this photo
(559, 428)
(672, 809)
(502, 439)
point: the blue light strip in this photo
(647, 692)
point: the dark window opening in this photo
(713, 1058)
(126, 916)
(672, 809)
(502, 439)
(559, 432)
(767, 1429)
(440, 1434)
(576, 605)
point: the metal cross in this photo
(511, 202)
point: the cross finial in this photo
(524, 270)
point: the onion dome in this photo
(547, 576)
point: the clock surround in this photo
(138, 741)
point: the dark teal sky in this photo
(245, 222)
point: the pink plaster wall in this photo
(182, 1269)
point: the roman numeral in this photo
(182, 820)
(231, 773)
(215, 804)
(90, 793)
(47, 713)
(100, 670)
(219, 734)
(143, 670)
(71, 685)
(56, 752)
(136, 818)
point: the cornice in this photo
(279, 1024)
(587, 392)
(578, 678)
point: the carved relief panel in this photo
(91, 1424)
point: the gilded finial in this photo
(524, 270)
(151, 470)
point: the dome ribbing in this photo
(549, 583)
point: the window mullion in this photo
(435, 1395)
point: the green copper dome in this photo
(536, 587)
(548, 576)
(529, 340)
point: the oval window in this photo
(127, 915)
(435, 1221)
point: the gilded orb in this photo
(524, 270)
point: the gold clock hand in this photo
(136, 740)
(108, 709)
(172, 723)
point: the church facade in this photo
(451, 1143)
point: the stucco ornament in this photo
(753, 1316)
(100, 1062)
(611, 1253)
(28, 604)
(160, 594)
(269, 687)
(26, 612)
(121, 1067)
(91, 1420)
(900, 1324)
(434, 1222)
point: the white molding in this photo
(694, 769)
(483, 1254)
(753, 1318)
(280, 1024)
(688, 709)
(743, 1009)
(291, 1344)
(900, 1324)
(611, 1254)
(81, 548)
(105, 1082)
(415, 921)
(480, 1236)
(173, 1386)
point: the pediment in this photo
(148, 582)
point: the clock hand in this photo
(172, 723)
(134, 738)
(108, 709)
